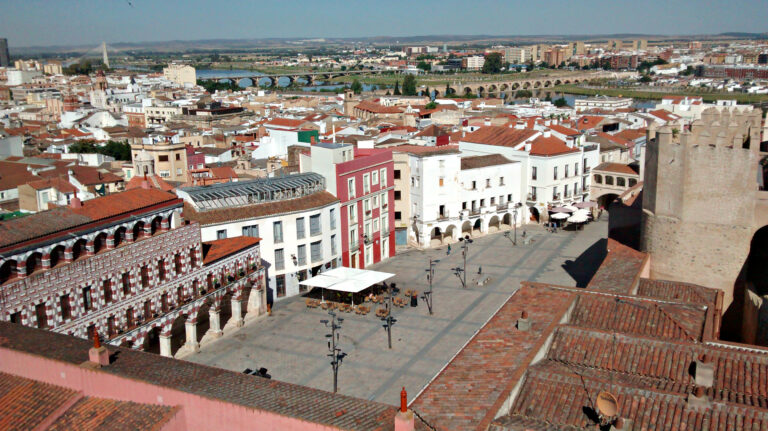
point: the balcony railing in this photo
(532, 197)
(586, 170)
(354, 245)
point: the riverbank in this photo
(652, 95)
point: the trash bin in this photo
(414, 301)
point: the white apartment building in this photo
(180, 74)
(602, 102)
(453, 196)
(296, 219)
(475, 62)
(554, 172)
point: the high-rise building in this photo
(5, 56)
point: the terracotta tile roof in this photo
(25, 403)
(588, 122)
(433, 130)
(470, 390)
(664, 115)
(59, 184)
(32, 227)
(284, 122)
(632, 134)
(499, 136)
(224, 215)
(620, 270)
(551, 146)
(101, 414)
(376, 108)
(677, 291)
(89, 176)
(564, 130)
(218, 249)
(237, 389)
(619, 168)
(153, 180)
(474, 162)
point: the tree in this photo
(448, 90)
(409, 85)
(492, 63)
(646, 78)
(423, 65)
(343, 68)
(396, 91)
(548, 98)
(430, 105)
(118, 150)
(426, 92)
(356, 87)
(561, 102)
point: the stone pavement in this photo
(291, 343)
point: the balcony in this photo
(586, 170)
(531, 197)
(354, 245)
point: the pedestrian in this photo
(523, 233)
(449, 249)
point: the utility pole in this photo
(336, 355)
(389, 320)
(464, 252)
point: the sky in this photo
(88, 22)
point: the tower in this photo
(5, 56)
(104, 56)
(699, 198)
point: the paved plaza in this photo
(291, 343)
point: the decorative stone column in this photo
(21, 269)
(46, 261)
(237, 312)
(165, 224)
(110, 242)
(68, 254)
(89, 248)
(147, 232)
(214, 318)
(191, 329)
(129, 235)
(165, 345)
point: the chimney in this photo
(487, 121)
(75, 202)
(98, 355)
(621, 424)
(698, 399)
(547, 133)
(404, 420)
(527, 146)
(520, 125)
(523, 324)
(704, 374)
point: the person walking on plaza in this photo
(449, 249)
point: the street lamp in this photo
(389, 321)
(427, 296)
(464, 251)
(336, 355)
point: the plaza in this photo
(291, 343)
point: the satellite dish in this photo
(607, 405)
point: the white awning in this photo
(350, 280)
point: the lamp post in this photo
(389, 320)
(464, 251)
(427, 296)
(336, 355)
(514, 219)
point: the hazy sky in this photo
(74, 22)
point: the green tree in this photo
(492, 63)
(356, 87)
(396, 91)
(431, 105)
(646, 78)
(118, 150)
(409, 85)
(448, 89)
(423, 65)
(561, 102)
(343, 68)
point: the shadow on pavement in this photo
(585, 266)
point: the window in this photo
(221, 234)
(177, 266)
(66, 308)
(554, 193)
(314, 225)
(501, 181)
(376, 224)
(374, 177)
(280, 285)
(129, 318)
(300, 228)
(576, 168)
(397, 195)
(598, 178)
(384, 200)
(178, 171)
(565, 190)
(277, 231)
(316, 250)
(509, 197)
(442, 163)
(279, 260)
(632, 182)
(366, 183)
(333, 244)
(555, 172)
(45, 196)
(533, 172)
(144, 276)
(87, 300)
(111, 328)
(608, 181)
(353, 213)
(493, 201)
(107, 288)
(165, 174)
(351, 187)
(398, 215)
(621, 182)
(367, 206)
(16, 317)
(474, 185)
(385, 225)
(464, 205)
(162, 158)
(301, 253)
(367, 229)
(383, 177)
(353, 239)
(126, 281)
(332, 214)
(161, 270)
(397, 174)
(566, 172)
(42, 319)
(252, 230)
(487, 182)
(178, 156)
(442, 181)
(375, 201)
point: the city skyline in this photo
(138, 21)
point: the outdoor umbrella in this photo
(561, 210)
(570, 207)
(587, 204)
(579, 217)
(559, 216)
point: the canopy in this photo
(561, 210)
(351, 280)
(570, 207)
(578, 218)
(586, 204)
(559, 216)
